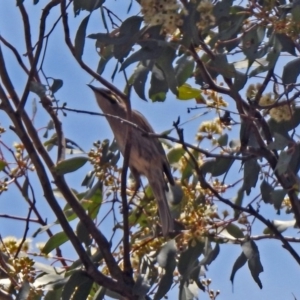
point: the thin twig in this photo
(205, 185)
(154, 135)
(34, 62)
(126, 244)
(16, 53)
(25, 233)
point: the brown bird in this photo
(147, 156)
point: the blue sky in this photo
(281, 273)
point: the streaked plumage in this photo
(147, 156)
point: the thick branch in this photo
(59, 180)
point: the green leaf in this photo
(80, 37)
(167, 254)
(221, 65)
(238, 200)
(223, 140)
(188, 290)
(287, 43)
(251, 172)
(187, 172)
(24, 291)
(166, 259)
(235, 231)
(53, 295)
(106, 54)
(272, 58)
(189, 30)
(141, 286)
(217, 166)
(283, 161)
(83, 234)
(290, 73)
(186, 92)
(140, 76)
(229, 29)
(210, 254)
(241, 260)
(280, 225)
(250, 250)
(99, 295)
(266, 190)
(251, 41)
(277, 197)
(250, 253)
(158, 85)
(55, 241)
(3, 164)
(164, 285)
(88, 5)
(189, 257)
(70, 165)
(240, 79)
(34, 107)
(56, 85)
(295, 12)
(184, 69)
(51, 280)
(175, 154)
(95, 197)
(78, 286)
(37, 88)
(222, 8)
(151, 50)
(279, 143)
(113, 295)
(130, 26)
(128, 35)
(165, 63)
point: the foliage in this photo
(209, 53)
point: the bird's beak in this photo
(95, 89)
(103, 93)
(98, 90)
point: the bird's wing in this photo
(138, 118)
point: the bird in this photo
(147, 156)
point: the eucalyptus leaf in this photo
(55, 241)
(251, 172)
(290, 73)
(184, 69)
(70, 165)
(266, 190)
(80, 37)
(218, 166)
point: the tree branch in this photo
(205, 185)
(34, 61)
(59, 180)
(16, 53)
(79, 60)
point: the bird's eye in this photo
(109, 96)
(112, 98)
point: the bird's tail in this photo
(158, 185)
